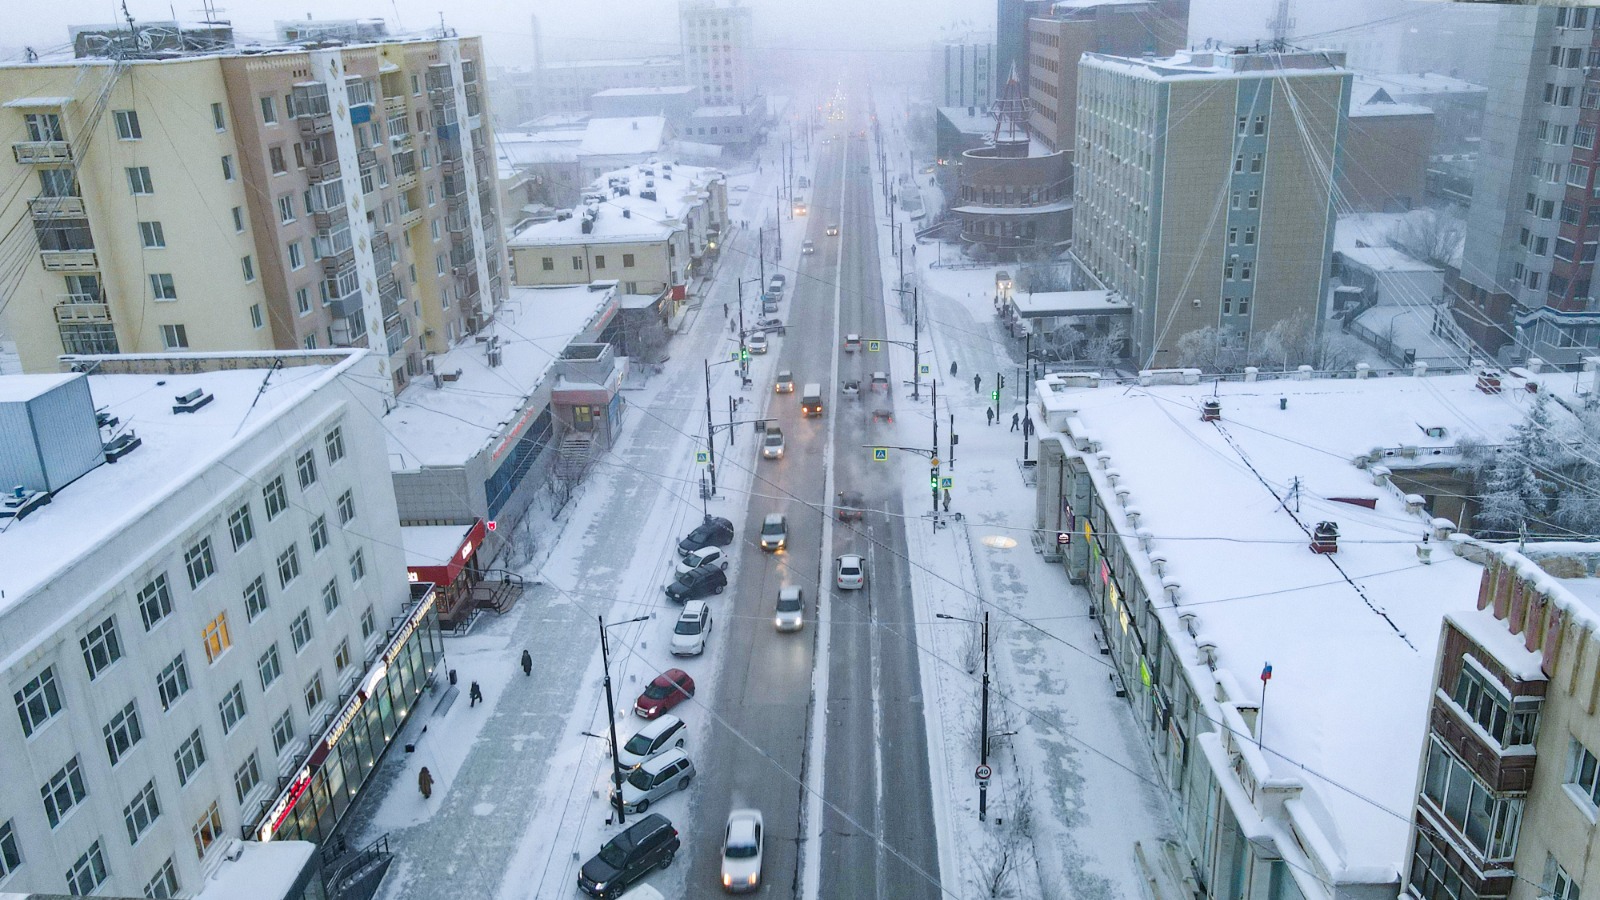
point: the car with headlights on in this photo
(742, 846)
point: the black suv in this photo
(715, 531)
(698, 582)
(628, 857)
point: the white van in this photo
(811, 399)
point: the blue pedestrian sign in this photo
(874, 346)
(924, 368)
(880, 454)
(946, 482)
(701, 457)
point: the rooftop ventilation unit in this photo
(22, 501)
(192, 401)
(49, 431)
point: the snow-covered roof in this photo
(647, 220)
(432, 545)
(446, 426)
(1372, 101)
(1370, 229)
(980, 123)
(1191, 65)
(654, 91)
(263, 869)
(1385, 259)
(653, 61)
(525, 148)
(176, 448)
(717, 112)
(623, 136)
(1068, 303)
(1351, 637)
(1423, 83)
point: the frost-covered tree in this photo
(1528, 477)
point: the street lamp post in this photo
(611, 710)
(983, 738)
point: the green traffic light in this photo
(995, 396)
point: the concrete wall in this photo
(1385, 163)
(654, 269)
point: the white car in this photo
(655, 779)
(735, 201)
(741, 188)
(772, 444)
(697, 558)
(656, 738)
(741, 852)
(694, 623)
(808, 248)
(791, 615)
(757, 343)
(850, 573)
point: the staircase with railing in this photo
(356, 875)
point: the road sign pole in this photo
(933, 391)
(916, 358)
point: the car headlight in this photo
(751, 879)
(727, 880)
(778, 622)
(599, 885)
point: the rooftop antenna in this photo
(276, 365)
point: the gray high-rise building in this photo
(717, 45)
(964, 70)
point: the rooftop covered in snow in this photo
(1187, 65)
(627, 213)
(623, 136)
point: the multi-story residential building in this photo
(1204, 189)
(964, 70)
(1508, 791)
(1527, 270)
(1059, 36)
(718, 43)
(255, 198)
(213, 638)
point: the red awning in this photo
(447, 573)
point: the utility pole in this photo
(952, 440)
(983, 785)
(711, 446)
(611, 714)
(999, 384)
(916, 359)
(778, 228)
(1027, 388)
(933, 389)
(761, 255)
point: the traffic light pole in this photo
(933, 391)
(711, 445)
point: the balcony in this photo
(410, 217)
(56, 207)
(346, 306)
(69, 260)
(329, 219)
(394, 106)
(42, 152)
(313, 125)
(439, 80)
(70, 310)
(381, 247)
(467, 284)
(325, 171)
(366, 159)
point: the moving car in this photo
(769, 303)
(774, 532)
(811, 399)
(852, 343)
(848, 506)
(790, 614)
(698, 582)
(880, 381)
(832, 230)
(705, 556)
(741, 851)
(772, 326)
(757, 343)
(649, 843)
(808, 247)
(694, 623)
(784, 383)
(657, 737)
(667, 690)
(714, 531)
(741, 188)
(647, 784)
(850, 573)
(772, 444)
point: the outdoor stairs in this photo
(574, 455)
(498, 590)
(357, 875)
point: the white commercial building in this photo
(198, 580)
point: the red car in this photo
(668, 690)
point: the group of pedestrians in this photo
(474, 697)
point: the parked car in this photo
(705, 556)
(657, 737)
(772, 444)
(852, 343)
(772, 326)
(667, 690)
(879, 382)
(784, 383)
(735, 201)
(850, 573)
(757, 343)
(648, 843)
(777, 283)
(694, 623)
(790, 614)
(808, 247)
(647, 784)
(741, 851)
(832, 230)
(698, 582)
(769, 303)
(848, 506)
(741, 188)
(714, 531)
(774, 532)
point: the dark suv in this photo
(715, 531)
(628, 857)
(698, 582)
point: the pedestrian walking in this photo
(1027, 426)
(527, 663)
(1016, 421)
(946, 499)
(952, 369)
(977, 383)
(425, 783)
(724, 312)
(989, 410)
(474, 694)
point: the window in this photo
(600, 261)
(1233, 235)
(255, 598)
(1255, 162)
(433, 227)
(127, 127)
(347, 507)
(1565, 249)
(1245, 269)
(1249, 235)
(1489, 823)
(101, 647)
(300, 630)
(288, 565)
(627, 260)
(207, 830)
(162, 287)
(248, 266)
(333, 444)
(1583, 779)
(369, 623)
(1570, 214)
(190, 756)
(577, 263)
(1547, 209)
(313, 693)
(1434, 876)
(139, 180)
(1254, 201)
(276, 162)
(256, 321)
(199, 562)
(232, 707)
(88, 872)
(63, 791)
(305, 466)
(311, 342)
(1557, 884)
(276, 497)
(330, 596)
(358, 567)
(164, 883)
(269, 110)
(286, 212)
(302, 297)
(1261, 125)
(438, 264)
(173, 682)
(155, 601)
(227, 168)
(151, 235)
(549, 264)
(238, 219)
(10, 856)
(38, 701)
(246, 777)
(1583, 137)
(282, 732)
(216, 117)
(141, 812)
(175, 337)
(319, 534)
(1236, 197)
(1238, 162)
(1577, 176)
(1228, 266)
(240, 527)
(341, 656)
(122, 733)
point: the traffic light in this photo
(933, 478)
(1002, 379)
(744, 354)
(995, 396)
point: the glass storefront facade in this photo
(323, 788)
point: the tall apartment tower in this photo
(1204, 188)
(291, 196)
(964, 70)
(1011, 36)
(1528, 266)
(717, 43)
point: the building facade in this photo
(964, 71)
(350, 189)
(718, 43)
(1014, 200)
(1386, 153)
(569, 86)
(1205, 189)
(195, 635)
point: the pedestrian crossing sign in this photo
(924, 369)
(701, 457)
(946, 482)
(880, 454)
(874, 346)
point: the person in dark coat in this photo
(989, 411)
(425, 783)
(474, 694)
(952, 370)
(527, 663)
(977, 383)
(1016, 421)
